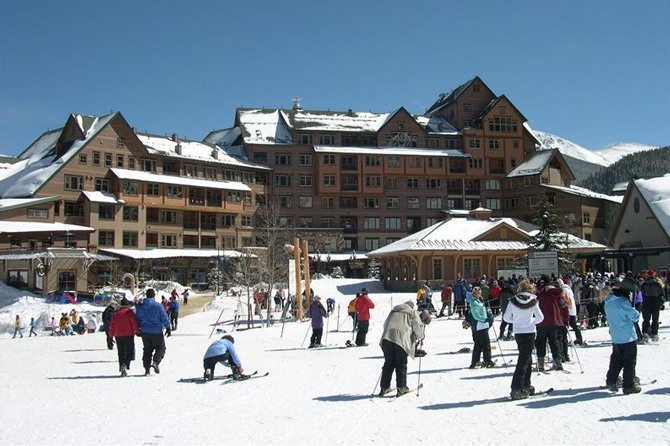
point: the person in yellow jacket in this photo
(64, 325)
(351, 309)
(18, 326)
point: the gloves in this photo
(240, 369)
(168, 332)
(466, 325)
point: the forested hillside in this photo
(650, 163)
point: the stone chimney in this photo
(215, 154)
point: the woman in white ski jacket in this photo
(524, 313)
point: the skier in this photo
(316, 313)
(447, 292)
(479, 319)
(223, 351)
(508, 292)
(152, 318)
(351, 310)
(496, 290)
(572, 318)
(32, 327)
(185, 295)
(330, 302)
(18, 327)
(459, 297)
(424, 297)
(123, 327)
(524, 313)
(652, 299)
(402, 329)
(622, 317)
(363, 307)
(106, 318)
(554, 307)
(173, 313)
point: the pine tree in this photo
(549, 237)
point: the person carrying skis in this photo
(524, 313)
(316, 313)
(123, 327)
(363, 307)
(621, 317)
(402, 329)
(223, 352)
(479, 319)
(152, 318)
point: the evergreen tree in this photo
(549, 237)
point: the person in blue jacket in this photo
(223, 351)
(152, 318)
(173, 310)
(622, 317)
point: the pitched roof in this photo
(7, 204)
(537, 163)
(138, 175)
(12, 227)
(495, 102)
(583, 192)
(656, 192)
(463, 234)
(437, 125)
(448, 98)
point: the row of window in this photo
(169, 216)
(107, 159)
(494, 144)
(397, 139)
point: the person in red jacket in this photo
(494, 297)
(447, 291)
(554, 306)
(363, 306)
(123, 327)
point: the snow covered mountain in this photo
(615, 152)
(569, 148)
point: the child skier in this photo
(223, 351)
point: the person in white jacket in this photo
(524, 313)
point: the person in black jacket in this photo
(106, 319)
(652, 299)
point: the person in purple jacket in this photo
(317, 312)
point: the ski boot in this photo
(208, 375)
(518, 395)
(384, 391)
(402, 391)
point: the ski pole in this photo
(338, 317)
(575, 351)
(306, 333)
(378, 381)
(327, 323)
(499, 346)
(418, 383)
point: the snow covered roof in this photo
(583, 192)
(334, 121)
(195, 150)
(223, 137)
(391, 151)
(102, 197)
(534, 166)
(14, 227)
(7, 204)
(41, 161)
(261, 126)
(168, 253)
(57, 253)
(437, 125)
(656, 192)
(136, 175)
(461, 234)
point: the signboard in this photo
(507, 273)
(545, 262)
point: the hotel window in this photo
(435, 163)
(209, 173)
(493, 203)
(228, 175)
(108, 160)
(492, 184)
(228, 242)
(106, 238)
(433, 183)
(119, 161)
(148, 165)
(130, 239)
(467, 107)
(131, 213)
(329, 180)
(130, 187)
(472, 267)
(305, 160)
(305, 201)
(393, 223)
(328, 160)
(373, 181)
(413, 203)
(283, 159)
(370, 222)
(570, 218)
(475, 163)
(348, 203)
(120, 143)
(392, 203)
(437, 269)
(512, 163)
(494, 144)
(96, 158)
(168, 240)
(131, 162)
(73, 182)
(234, 196)
(247, 221)
(305, 180)
(371, 243)
(505, 263)
(510, 184)
(327, 140)
(371, 203)
(283, 180)
(394, 161)
(38, 213)
(247, 199)
(373, 160)
(500, 124)
(101, 185)
(474, 143)
(228, 220)
(527, 181)
(327, 202)
(430, 221)
(390, 240)
(544, 180)
(412, 183)
(328, 222)
(529, 201)
(414, 161)
(285, 222)
(82, 158)
(511, 203)
(304, 138)
(73, 209)
(261, 157)
(285, 201)
(467, 123)
(433, 203)
(174, 191)
(190, 170)
(168, 216)
(586, 217)
(106, 211)
(305, 222)
(392, 183)
(67, 280)
(515, 144)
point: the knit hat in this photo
(364, 291)
(544, 280)
(150, 292)
(425, 316)
(523, 298)
(125, 302)
(229, 337)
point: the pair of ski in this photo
(641, 384)
(394, 397)
(548, 372)
(537, 394)
(227, 379)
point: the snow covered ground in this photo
(66, 390)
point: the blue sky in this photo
(595, 72)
